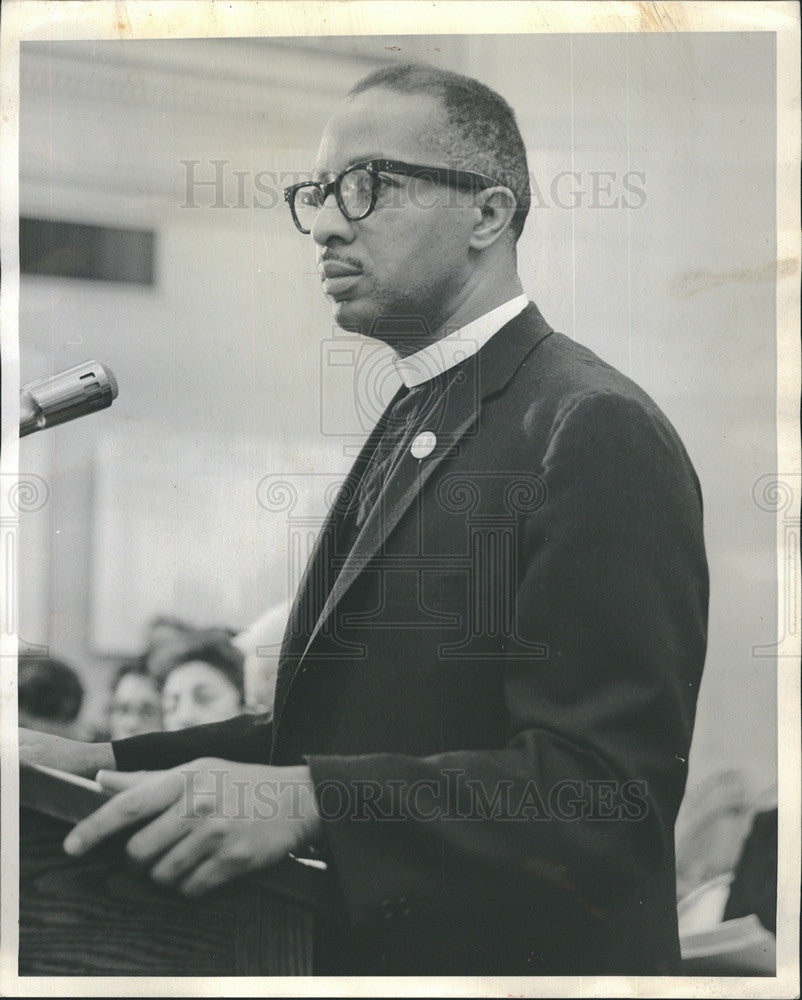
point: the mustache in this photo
(333, 258)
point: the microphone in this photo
(55, 399)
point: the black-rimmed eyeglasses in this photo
(356, 189)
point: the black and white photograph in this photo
(400, 499)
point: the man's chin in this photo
(351, 315)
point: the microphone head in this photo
(112, 380)
(55, 399)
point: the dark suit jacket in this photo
(495, 686)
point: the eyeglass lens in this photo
(356, 194)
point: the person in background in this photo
(260, 645)
(166, 637)
(202, 682)
(754, 884)
(49, 695)
(135, 701)
(165, 631)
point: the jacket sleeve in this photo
(581, 800)
(246, 738)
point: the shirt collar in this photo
(459, 345)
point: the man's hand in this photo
(66, 755)
(214, 820)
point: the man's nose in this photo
(330, 222)
(183, 717)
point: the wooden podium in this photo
(98, 916)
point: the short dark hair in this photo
(482, 132)
(209, 648)
(137, 666)
(49, 689)
(168, 621)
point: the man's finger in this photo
(148, 797)
(119, 781)
(220, 868)
(157, 838)
(186, 856)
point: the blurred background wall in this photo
(157, 506)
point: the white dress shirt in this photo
(438, 357)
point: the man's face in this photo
(196, 693)
(410, 257)
(135, 707)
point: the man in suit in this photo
(487, 685)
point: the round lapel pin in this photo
(424, 444)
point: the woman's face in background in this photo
(195, 693)
(135, 707)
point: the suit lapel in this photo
(484, 374)
(406, 481)
(294, 641)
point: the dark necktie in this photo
(407, 416)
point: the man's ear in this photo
(496, 207)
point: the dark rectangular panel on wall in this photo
(77, 250)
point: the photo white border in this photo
(102, 19)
